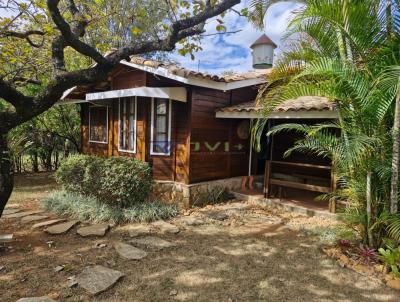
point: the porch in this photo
(293, 182)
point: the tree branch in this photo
(13, 96)
(71, 37)
(24, 35)
(178, 30)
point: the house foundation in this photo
(187, 195)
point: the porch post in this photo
(250, 149)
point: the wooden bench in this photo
(269, 180)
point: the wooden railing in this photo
(269, 180)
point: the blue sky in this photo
(231, 51)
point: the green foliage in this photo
(88, 208)
(80, 174)
(358, 70)
(391, 257)
(56, 131)
(120, 181)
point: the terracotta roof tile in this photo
(304, 103)
(183, 72)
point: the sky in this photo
(231, 52)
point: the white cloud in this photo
(232, 51)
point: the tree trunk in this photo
(394, 190)
(370, 238)
(6, 173)
(35, 162)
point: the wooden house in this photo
(192, 127)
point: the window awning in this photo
(173, 93)
(306, 107)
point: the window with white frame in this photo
(160, 127)
(127, 124)
(98, 124)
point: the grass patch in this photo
(90, 209)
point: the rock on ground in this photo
(97, 279)
(191, 221)
(256, 219)
(61, 228)
(11, 211)
(394, 283)
(165, 227)
(94, 230)
(6, 238)
(31, 218)
(139, 230)
(47, 223)
(23, 214)
(152, 242)
(36, 299)
(128, 251)
(218, 216)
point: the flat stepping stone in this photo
(6, 238)
(139, 230)
(257, 219)
(152, 242)
(97, 279)
(191, 221)
(93, 230)
(36, 299)
(46, 223)
(221, 216)
(23, 214)
(128, 251)
(11, 211)
(166, 227)
(61, 228)
(32, 218)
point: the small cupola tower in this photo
(263, 52)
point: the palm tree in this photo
(336, 57)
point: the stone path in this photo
(6, 238)
(11, 211)
(47, 223)
(61, 228)
(143, 241)
(165, 227)
(22, 214)
(97, 279)
(94, 230)
(36, 299)
(139, 230)
(31, 218)
(128, 251)
(151, 242)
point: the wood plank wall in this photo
(209, 132)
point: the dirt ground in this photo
(212, 262)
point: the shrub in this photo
(77, 174)
(120, 181)
(391, 258)
(90, 209)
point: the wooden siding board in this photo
(205, 127)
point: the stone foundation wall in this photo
(186, 196)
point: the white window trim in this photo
(119, 129)
(152, 130)
(98, 142)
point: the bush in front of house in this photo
(118, 181)
(88, 208)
